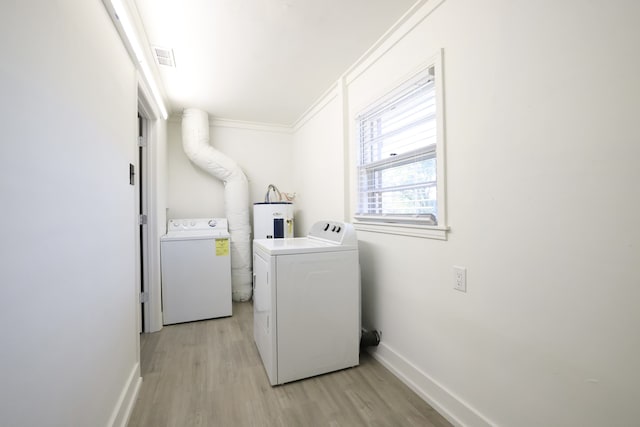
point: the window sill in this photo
(411, 230)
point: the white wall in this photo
(541, 102)
(69, 353)
(263, 152)
(318, 153)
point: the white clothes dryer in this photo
(196, 270)
(306, 302)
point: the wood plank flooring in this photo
(209, 373)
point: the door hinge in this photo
(142, 141)
(144, 297)
(142, 219)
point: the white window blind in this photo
(397, 155)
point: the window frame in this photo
(408, 225)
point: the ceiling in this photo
(261, 60)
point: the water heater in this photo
(272, 220)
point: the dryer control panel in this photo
(340, 233)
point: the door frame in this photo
(143, 212)
(152, 308)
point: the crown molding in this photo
(239, 124)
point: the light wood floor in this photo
(209, 373)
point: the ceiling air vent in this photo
(164, 56)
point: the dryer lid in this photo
(325, 236)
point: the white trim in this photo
(128, 24)
(450, 406)
(239, 124)
(152, 309)
(154, 322)
(441, 141)
(342, 94)
(144, 208)
(416, 14)
(318, 105)
(408, 229)
(127, 399)
(411, 230)
(149, 110)
(407, 22)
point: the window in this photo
(400, 152)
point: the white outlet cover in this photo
(460, 278)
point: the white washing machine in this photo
(306, 302)
(196, 270)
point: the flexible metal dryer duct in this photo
(195, 142)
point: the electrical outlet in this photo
(459, 278)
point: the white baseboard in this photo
(446, 403)
(127, 399)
